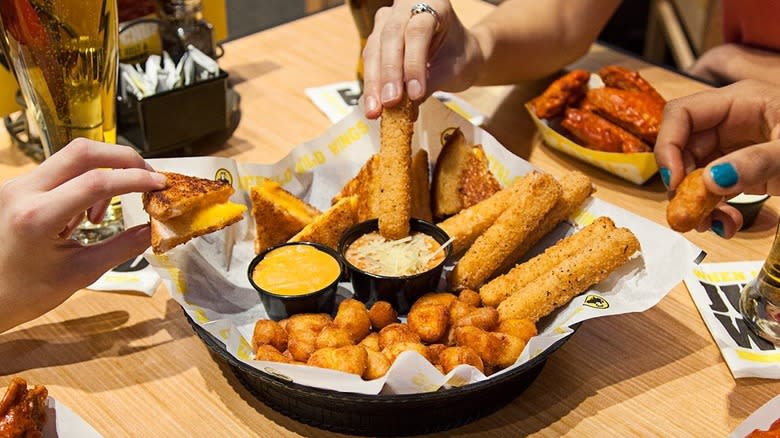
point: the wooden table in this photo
(131, 366)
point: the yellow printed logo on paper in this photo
(596, 302)
(224, 175)
(244, 350)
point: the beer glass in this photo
(64, 56)
(759, 301)
(363, 12)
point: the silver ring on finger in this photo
(420, 8)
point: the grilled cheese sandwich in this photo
(187, 208)
(462, 177)
(328, 227)
(278, 214)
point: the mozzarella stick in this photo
(512, 227)
(470, 223)
(395, 160)
(571, 277)
(500, 288)
(577, 187)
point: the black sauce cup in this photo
(401, 292)
(280, 307)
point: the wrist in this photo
(482, 42)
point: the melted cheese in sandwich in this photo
(204, 218)
(294, 206)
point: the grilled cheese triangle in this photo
(365, 185)
(278, 214)
(187, 208)
(461, 177)
(328, 227)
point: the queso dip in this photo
(296, 270)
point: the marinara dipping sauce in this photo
(296, 270)
(411, 255)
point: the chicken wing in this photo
(598, 133)
(625, 79)
(565, 91)
(23, 410)
(634, 111)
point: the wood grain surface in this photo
(131, 366)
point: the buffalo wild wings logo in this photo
(446, 134)
(224, 175)
(596, 302)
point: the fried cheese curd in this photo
(446, 329)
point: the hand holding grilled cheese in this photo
(189, 207)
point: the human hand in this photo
(40, 265)
(411, 55)
(735, 132)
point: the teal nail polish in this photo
(717, 228)
(724, 174)
(665, 176)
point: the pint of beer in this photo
(363, 12)
(64, 56)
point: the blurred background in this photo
(669, 32)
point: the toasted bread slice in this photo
(461, 177)
(278, 214)
(187, 208)
(184, 193)
(328, 227)
(421, 186)
(477, 183)
(365, 185)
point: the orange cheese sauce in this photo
(296, 270)
(408, 256)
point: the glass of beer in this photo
(64, 56)
(363, 12)
(759, 301)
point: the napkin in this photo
(338, 100)
(715, 288)
(134, 275)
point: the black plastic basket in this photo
(382, 415)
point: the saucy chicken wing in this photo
(636, 112)
(23, 410)
(625, 79)
(598, 133)
(565, 91)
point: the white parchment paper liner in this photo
(224, 303)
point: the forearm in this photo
(729, 63)
(528, 39)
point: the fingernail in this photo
(389, 92)
(665, 176)
(717, 228)
(159, 178)
(371, 104)
(414, 88)
(724, 174)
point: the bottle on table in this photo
(182, 24)
(363, 12)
